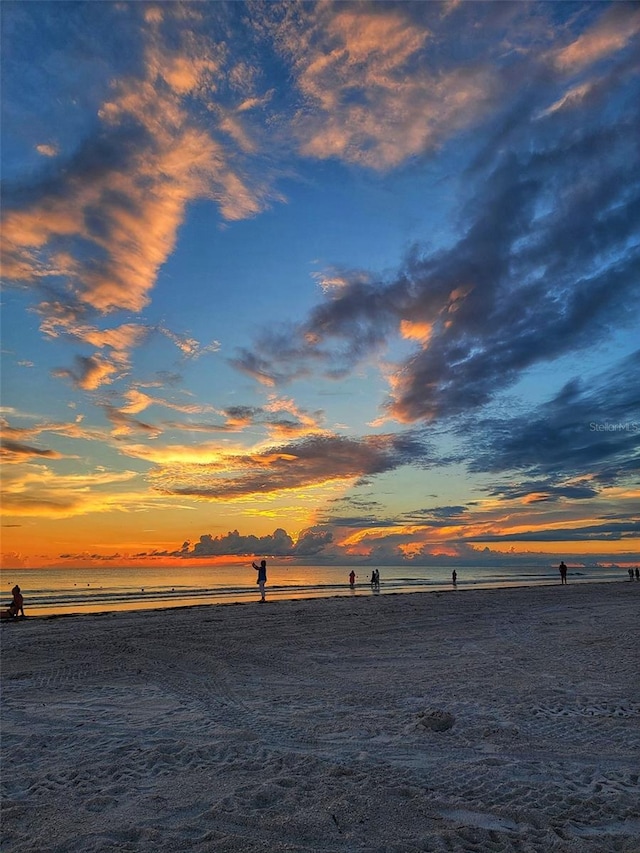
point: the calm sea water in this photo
(70, 591)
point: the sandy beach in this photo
(487, 720)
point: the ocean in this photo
(98, 590)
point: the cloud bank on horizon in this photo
(365, 272)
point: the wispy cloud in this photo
(98, 224)
(615, 30)
(544, 263)
(47, 150)
(89, 372)
(313, 461)
(15, 451)
(589, 533)
(116, 205)
(585, 436)
(137, 401)
(188, 346)
(37, 491)
(73, 430)
(371, 96)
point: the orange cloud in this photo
(218, 473)
(47, 150)
(612, 32)
(297, 422)
(206, 453)
(39, 492)
(120, 339)
(572, 98)
(138, 401)
(189, 347)
(90, 372)
(416, 331)
(68, 430)
(126, 198)
(14, 452)
(375, 101)
(124, 424)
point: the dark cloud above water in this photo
(357, 522)
(298, 464)
(589, 431)
(437, 516)
(544, 262)
(433, 518)
(588, 533)
(547, 490)
(277, 544)
(584, 439)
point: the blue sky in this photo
(324, 281)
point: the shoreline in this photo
(279, 595)
(498, 721)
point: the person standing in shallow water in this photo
(563, 572)
(454, 577)
(352, 579)
(262, 576)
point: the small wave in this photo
(125, 589)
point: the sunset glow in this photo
(322, 281)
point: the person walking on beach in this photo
(637, 574)
(563, 572)
(262, 576)
(352, 579)
(454, 577)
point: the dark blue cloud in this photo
(588, 533)
(277, 544)
(586, 430)
(438, 516)
(544, 491)
(545, 262)
(313, 460)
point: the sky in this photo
(325, 282)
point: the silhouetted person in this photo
(17, 605)
(637, 574)
(563, 572)
(352, 579)
(630, 571)
(376, 579)
(454, 577)
(262, 576)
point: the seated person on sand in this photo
(17, 605)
